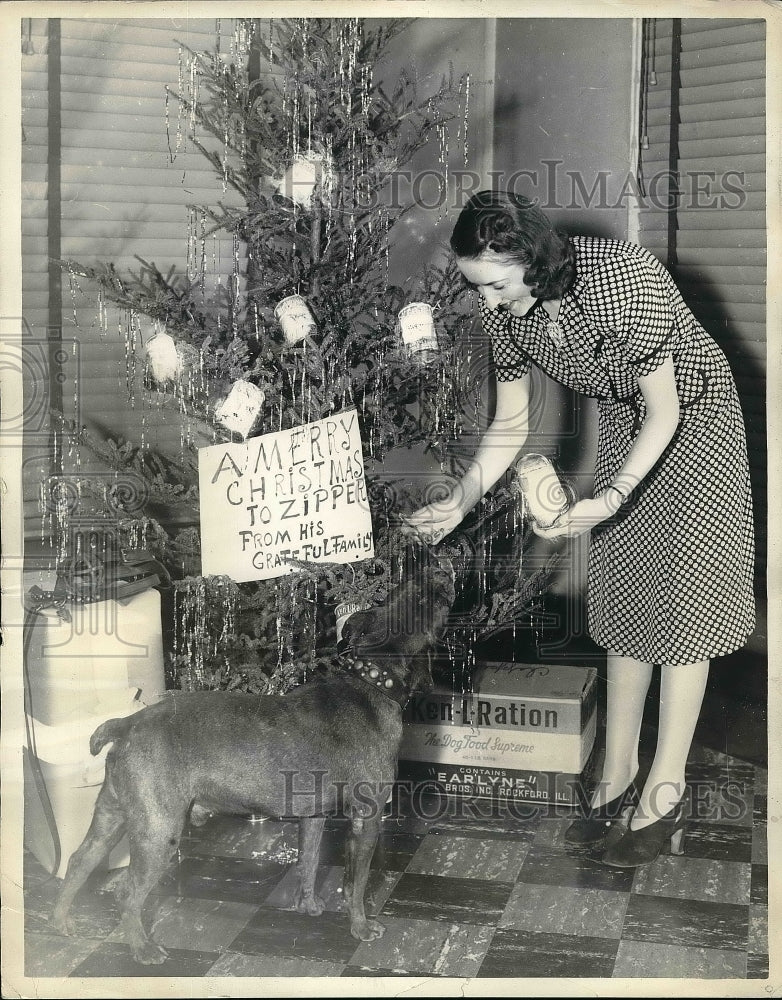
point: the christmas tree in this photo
(296, 123)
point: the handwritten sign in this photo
(297, 494)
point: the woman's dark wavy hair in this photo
(509, 224)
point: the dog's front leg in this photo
(359, 851)
(310, 832)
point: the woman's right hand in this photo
(434, 521)
(496, 452)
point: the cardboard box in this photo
(525, 732)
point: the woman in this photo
(671, 554)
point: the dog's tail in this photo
(109, 732)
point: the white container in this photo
(107, 647)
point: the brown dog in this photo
(327, 746)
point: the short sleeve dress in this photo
(670, 577)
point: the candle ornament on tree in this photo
(239, 411)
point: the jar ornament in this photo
(162, 357)
(240, 409)
(304, 175)
(545, 496)
(416, 322)
(294, 316)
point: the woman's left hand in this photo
(580, 518)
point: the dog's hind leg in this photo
(105, 832)
(360, 847)
(154, 838)
(310, 832)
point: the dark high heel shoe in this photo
(640, 847)
(596, 828)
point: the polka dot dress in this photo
(670, 576)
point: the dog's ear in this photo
(421, 673)
(365, 629)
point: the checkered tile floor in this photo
(460, 896)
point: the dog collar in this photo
(377, 677)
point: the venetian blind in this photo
(39, 391)
(705, 124)
(35, 142)
(122, 195)
(106, 181)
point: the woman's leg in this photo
(681, 696)
(628, 682)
